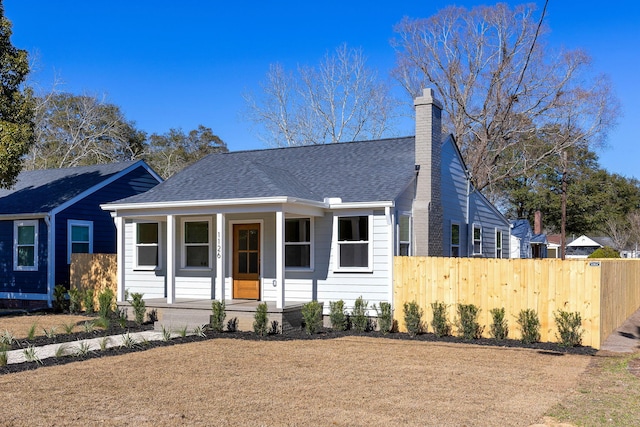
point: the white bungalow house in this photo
(291, 225)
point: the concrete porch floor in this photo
(189, 313)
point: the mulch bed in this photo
(117, 329)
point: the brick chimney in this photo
(537, 222)
(427, 209)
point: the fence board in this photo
(94, 271)
(605, 293)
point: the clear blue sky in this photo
(178, 64)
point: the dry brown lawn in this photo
(19, 325)
(350, 381)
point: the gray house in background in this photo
(291, 225)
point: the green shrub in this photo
(467, 322)
(75, 301)
(499, 326)
(121, 316)
(569, 328)
(261, 320)
(312, 316)
(440, 323)
(359, 319)
(4, 357)
(337, 315)
(105, 301)
(219, 313)
(60, 302)
(87, 299)
(605, 252)
(529, 326)
(413, 318)
(385, 317)
(139, 307)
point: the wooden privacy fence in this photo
(604, 292)
(94, 271)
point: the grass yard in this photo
(349, 381)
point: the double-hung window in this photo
(354, 249)
(297, 243)
(80, 238)
(25, 245)
(147, 243)
(498, 243)
(196, 251)
(404, 235)
(455, 239)
(477, 239)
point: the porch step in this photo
(175, 320)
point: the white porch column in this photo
(120, 267)
(171, 259)
(280, 300)
(220, 251)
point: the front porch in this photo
(190, 313)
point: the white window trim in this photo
(70, 224)
(473, 239)
(398, 233)
(451, 244)
(336, 245)
(25, 223)
(136, 244)
(183, 245)
(311, 244)
(499, 249)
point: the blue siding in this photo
(88, 209)
(22, 281)
(454, 206)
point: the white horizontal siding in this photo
(194, 287)
(372, 286)
(150, 283)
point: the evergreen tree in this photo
(16, 106)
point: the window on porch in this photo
(297, 243)
(147, 239)
(197, 244)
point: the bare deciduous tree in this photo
(618, 231)
(500, 84)
(340, 100)
(74, 130)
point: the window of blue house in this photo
(498, 243)
(25, 245)
(80, 238)
(455, 239)
(477, 239)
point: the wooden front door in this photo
(246, 261)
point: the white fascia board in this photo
(35, 215)
(209, 206)
(362, 205)
(100, 185)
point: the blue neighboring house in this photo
(50, 214)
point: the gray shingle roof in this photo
(356, 172)
(41, 191)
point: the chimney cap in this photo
(427, 98)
